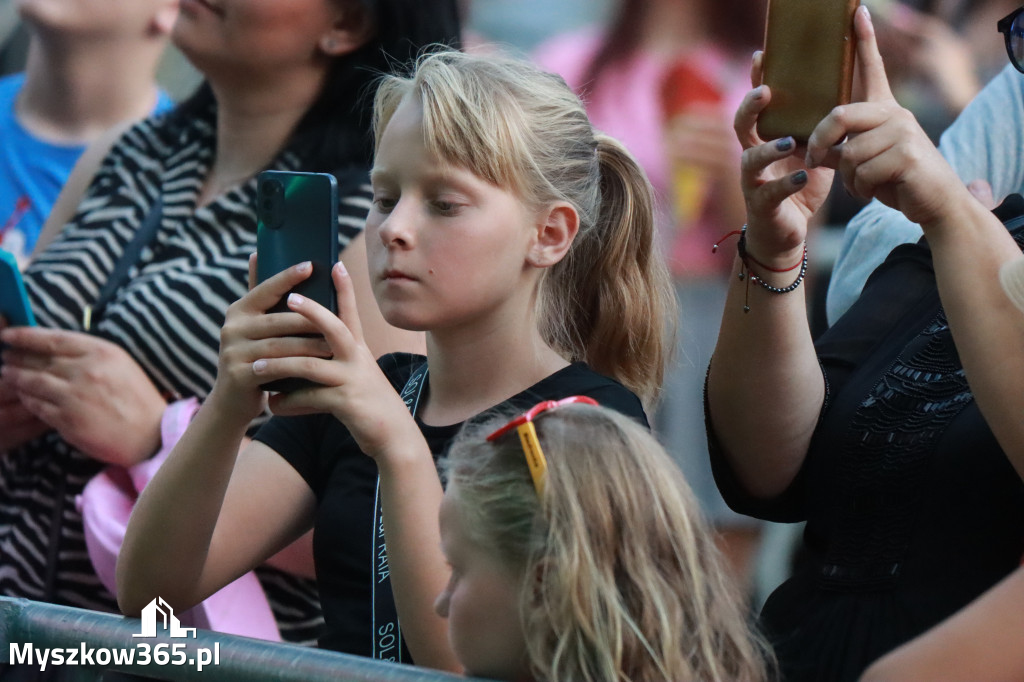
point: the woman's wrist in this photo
(773, 256)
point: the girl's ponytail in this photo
(610, 301)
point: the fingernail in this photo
(810, 161)
(798, 178)
(295, 300)
(304, 266)
(867, 12)
(785, 144)
(759, 92)
(259, 366)
(341, 268)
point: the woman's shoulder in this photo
(156, 140)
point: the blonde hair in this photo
(609, 301)
(631, 585)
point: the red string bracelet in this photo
(746, 259)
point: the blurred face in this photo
(253, 33)
(480, 603)
(446, 247)
(92, 17)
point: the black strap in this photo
(143, 237)
(386, 632)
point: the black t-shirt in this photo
(912, 508)
(344, 481)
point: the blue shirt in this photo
(32, 172)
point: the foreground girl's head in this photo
(515, 128)
(608, 573)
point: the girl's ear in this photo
(352, 29)
(557, 226)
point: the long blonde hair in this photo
(609, 301)
(631, 584)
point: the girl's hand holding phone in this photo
(348, 382)
(250, 334)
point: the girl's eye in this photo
(446, 207)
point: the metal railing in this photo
(30, 630)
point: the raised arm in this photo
(765, 387)
(205, 518)
(887, 156)
(981, 642)
(353, 388)
(982, 144)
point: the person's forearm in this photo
(171, 526)
(968, 250)
(411, 496)
(765, 387)
(981, 643)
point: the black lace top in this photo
(912, 508)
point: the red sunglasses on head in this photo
(528, 436)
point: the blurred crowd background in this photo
(939, 53)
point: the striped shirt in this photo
(167, 317)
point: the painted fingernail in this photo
(304, 266)
(799, 178)
(295, 299)
(785, 144)
(259, 366)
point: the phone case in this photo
(296, 221)
(808, 64)
(14, 305)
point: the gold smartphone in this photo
(808, 64)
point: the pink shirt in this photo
(627, 105)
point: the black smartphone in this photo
(14, 305)
(296, 221)
(808, 64)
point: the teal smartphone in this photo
(296, 221)
(14, 305)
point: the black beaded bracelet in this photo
(746, 259)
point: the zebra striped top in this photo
(168, 317)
